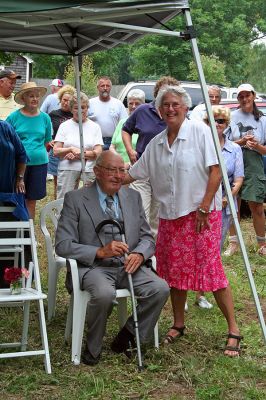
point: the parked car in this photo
(233, 105)
(193, 88)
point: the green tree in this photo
(213, 68)
(114, 63)
(49, 66)
(155, 55)
(224, 28)
(88, 78)
(256, 63)
(6, 58)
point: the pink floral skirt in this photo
(188, 260)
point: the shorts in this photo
(53, 163)
(254, 185)
(35, 181)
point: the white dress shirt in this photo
(179, 174)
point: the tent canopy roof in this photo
(80, 27)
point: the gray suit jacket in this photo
(76, 237)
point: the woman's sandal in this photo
(233, 348)
(169, 339)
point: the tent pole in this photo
(224, 174)
(82, 154)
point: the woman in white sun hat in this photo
(35, 131)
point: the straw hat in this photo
(28, 87)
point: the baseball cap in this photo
(245, 87)
(8, 73)
(57, 82)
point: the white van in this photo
(193, 88)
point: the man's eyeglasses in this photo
(112, 171)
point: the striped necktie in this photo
(110, 207)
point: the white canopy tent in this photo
(80, 27)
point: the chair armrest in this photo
(75, 274)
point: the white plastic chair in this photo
(48, 220)
(77, 314)
(28, 292)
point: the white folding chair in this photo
(77, 314)
(28, 293)
(48, 220)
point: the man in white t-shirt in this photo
(106, 110)
(200, 110)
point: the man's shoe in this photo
(124, 342)
(202, 302)
(88, 359)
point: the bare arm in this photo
(112, 148)
(235, 189)
(128, 179)
(204, 207)
(60, 151)
(255, 145)
(127, 139)
(20, 187)
(94, 153)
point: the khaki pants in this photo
(151, 207)
(69, 180)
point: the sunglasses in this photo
(220, 121)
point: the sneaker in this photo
(49, 177)
(186, 307)
(231, 249)
(262, 250)
(202, 302)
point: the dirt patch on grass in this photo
(250, 309)
(173, 391)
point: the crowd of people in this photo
(172, 202)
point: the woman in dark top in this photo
(57, 117)
(13, 160)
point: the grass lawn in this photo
(194, 367)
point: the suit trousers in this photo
(102, 282)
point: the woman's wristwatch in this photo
(20, 177)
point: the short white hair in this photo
(136, 94)
(175, 90)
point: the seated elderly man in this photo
(101, 259)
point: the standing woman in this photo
(233, 159)
(184, 173)
(67, 147)
(35, 131)
(248, 129)
(65, 94)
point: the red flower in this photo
(12, 274)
